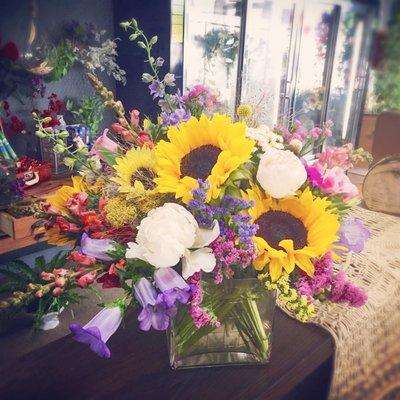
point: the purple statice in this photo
(325, 284)
(353, 234)
(156, 89)
(321, 280)
(343, 291)
(156, 313)
(234, 246)
(200, 315)
(98, 330)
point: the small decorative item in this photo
(203, 221)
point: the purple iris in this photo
(97, 248)
(155, 313)
(156, 89)
(98, 330)
(172, 285)
(353, 234)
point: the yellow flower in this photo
(136, 172)
(59, 198)
(206, 149)
(120, 212)
(52, 236)
(292, 231)
(244, 111)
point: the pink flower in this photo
(57, 291)
(336, 156)
(315, 133)
(134, 117)
(49, 209)
(77, 203)
(120, 130)
(335, 181)
(60, 271)
(85, 279)
(47, 276)
(103, 141)
(80, 258)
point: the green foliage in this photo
(220, 42)
(15, 80)
(109, 157)
(89, 111)
(387, 84)
(134, 270)
(118, 252)
(61, 58)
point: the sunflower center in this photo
(144, 175)
(199, 162)
(274, 226)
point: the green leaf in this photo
(109, 156)
(40, 263)
(10, 274)
(24, 269)
(12, 285)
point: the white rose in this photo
(167, 234)
(280, 173)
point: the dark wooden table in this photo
(138, 369)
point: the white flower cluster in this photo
(265, 137)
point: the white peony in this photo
(280, 173)
(171, 233)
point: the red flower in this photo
(145, 140)
(66, 226)
(111, 278)
(80, 258)
(109, 281)
(91, 221)
(114, 267)
(10, 51)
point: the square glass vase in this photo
(245, 311)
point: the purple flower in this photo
(155, 312)
(156, 89)
(343, 291)
(353, 234)
(175, 117)
(172, 285)
(97, 248)
(98, 330)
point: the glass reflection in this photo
(211, 46)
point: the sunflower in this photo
(60, 197)
(136, 172)
(292, 231)
(206, 149)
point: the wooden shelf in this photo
(41, 190)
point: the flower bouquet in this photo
(203, 221)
